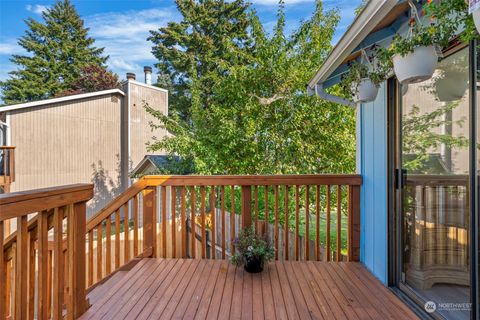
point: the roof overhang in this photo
(365, 23)
(61, 99)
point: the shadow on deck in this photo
(215, 289)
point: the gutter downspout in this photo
(320, 91)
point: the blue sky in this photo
(122, 26)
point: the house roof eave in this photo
(362, 26)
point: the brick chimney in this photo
(148, 74)
(130, 76)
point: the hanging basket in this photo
(416, 66)
(366, 91)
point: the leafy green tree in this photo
(203, 46)
(57, 50)
(259, 118)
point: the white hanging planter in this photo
(416, 66)
(476, 19)
(366, 91)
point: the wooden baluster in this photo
(42, 228)
(99, 251)
(285, 223)
(117, 239)
(135, 226)
(108, 245)
(328, 223)
(76, 259)
(49, 282)
(297, 218)
(192, 221)
(307, 222)
(183, 222)
(222, 190)
(276, 221)
(339, 222)
(58, 260)
(266, 207)
(353, 232)
(213, 228)
(173, 236)
(3, 276)
(164, 221)
(21, 266)
(232, 220)
(31, 273)
(126, 230)
(202, 219)
(150, 222)
(11, 280)
(246, 206)
(90, 258)
(256, 208)
(317, 223)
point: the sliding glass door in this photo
(434, 170)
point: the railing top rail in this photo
(250, 180)
(21, 203)
(219, 180)
(7, 147)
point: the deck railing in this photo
(37, 281)
(7, 165)
(306, 217)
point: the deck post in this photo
(354, 223)
(76, 259)
(246, 206)
(149, 221)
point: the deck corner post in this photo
(246, 206)
(77, 295)
(354, 223)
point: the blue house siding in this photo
(373, 168)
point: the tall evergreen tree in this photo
(203, 46)
(58, 49)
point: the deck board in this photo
(209, 289)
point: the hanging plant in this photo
(363, 79)
(452, 18)
(414, 57)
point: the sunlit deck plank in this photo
(209, 289)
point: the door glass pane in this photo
(435, 163)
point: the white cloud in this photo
(37, 8)
(124, 36)
(9, 46)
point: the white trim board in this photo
(61, 99)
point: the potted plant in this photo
(252, 250)
(361, 83)
(414, 57)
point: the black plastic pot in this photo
(254, 265)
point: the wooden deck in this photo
(215, 289)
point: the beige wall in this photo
(140, 130)
(68, 142)
(84, 141)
